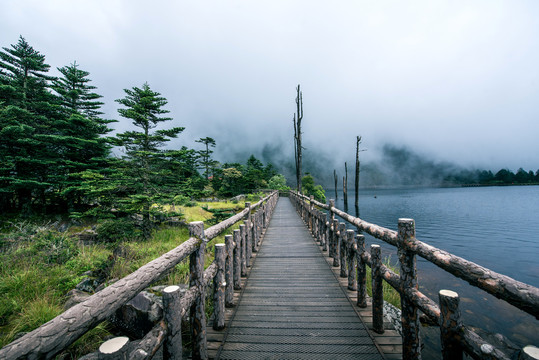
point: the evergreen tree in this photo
(83, 147)
(205, 155)
(76, 94)
(142, 148)
(28, 138)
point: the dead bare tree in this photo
(298, 116)
(358, 142)
(345, 185)
(336, 179)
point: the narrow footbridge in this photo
(293, 306)
(284, 286)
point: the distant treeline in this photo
(486, 177)
(400, 166)
(55, 152)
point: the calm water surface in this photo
(496, 227)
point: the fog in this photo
(455, 82)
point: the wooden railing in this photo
(230, 261)
(348, 252)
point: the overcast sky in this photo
(454, 80)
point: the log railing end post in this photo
(450, 323)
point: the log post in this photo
(229, 271)
(377, 290)
(196, 279)
(325, 231)
(243, 249)
(335, 243)
(351, 259)
(361, 272)
(172, 349)
(529, 352)
(114, 349)
(450, 323)
(411, 346)
(219, 284)
(237, 260)
(311, 213)
(249, 243)
(329, 239)
(342, 249)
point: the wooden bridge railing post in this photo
(351, 254)
(331, 229)
(250, 241)
(411, 347)
(335, 243)
(311, 213)
(237, 260)
(114, 349)
(342, 250)
(325, 232)
(243, 249)
(219, 288)
(196, 279)
(229, 271)
(377, 290)
(172, 348)
(450, 323)
(361, 272)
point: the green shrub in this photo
(54, 247)
(113, 230)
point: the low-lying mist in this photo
(396, 166)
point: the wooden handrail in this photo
(57, 334)
(519, 294)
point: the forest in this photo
(58, 156)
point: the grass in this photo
(391, 295)
(39, 265)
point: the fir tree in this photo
(143, 149)
(28, 112)
(205, 155)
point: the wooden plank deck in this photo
(292, 305)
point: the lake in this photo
(495, 227)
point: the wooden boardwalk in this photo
(293, 305)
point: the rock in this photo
(87, 285)
(75, 297)
(87, 237)
(139, 315)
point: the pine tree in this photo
(205, 155)
(27, 114)
(84, 146)
(142, 148)
(75, 92)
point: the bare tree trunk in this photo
(335, 178)
(298, 116)
(358, 141)
(345, 186)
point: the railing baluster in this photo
(351, 259)
(361, 272)
(237, 260)
(243, 249)
(196, 279)
(114, 349)
(335, 243)
(229, 271)
(411, 347)
(172, 349)
(219, 288)
(342, 249)
(377, 290)
(450, 324)
(250, 240)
